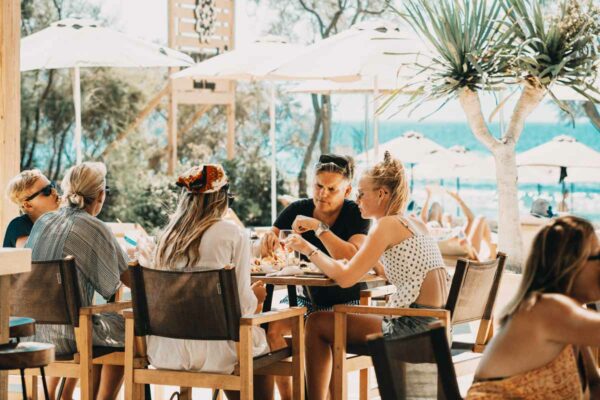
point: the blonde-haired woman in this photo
(411, 260)
(75, 230)
(538, 352)
(198, 236)
(35, 195)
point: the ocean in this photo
(584, 200)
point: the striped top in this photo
(100, 262)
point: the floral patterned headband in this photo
(207, 178)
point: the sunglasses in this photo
(595, 257)
(46, 191)
(339, 162)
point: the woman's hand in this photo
(297, 243)
(268, 243)
(304, 224)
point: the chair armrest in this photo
(104, 308)
(379, 291)
(271, 316)
(397, 312)
(127, 313)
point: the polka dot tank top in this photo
(406, 265)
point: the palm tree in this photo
(491, 44)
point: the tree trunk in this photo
(302, 186)
(510, 240)
(326, 124)
(592, 112)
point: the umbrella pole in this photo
(367, 127)
(376, 117)
(77, 103)
(273, 157)
(571, 194)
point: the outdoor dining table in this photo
(12, 261)
(319, 280)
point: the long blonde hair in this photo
(83, 183)
(389, 174)
(180, 240)
(559, 252)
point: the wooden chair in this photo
(472, 296)
(202, 305)
(50, 295)
(394, 356)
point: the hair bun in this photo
(76, 199)
(387, 157)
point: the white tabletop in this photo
(14, 261)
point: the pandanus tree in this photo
(514, 45)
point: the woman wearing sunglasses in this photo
(331, 222)
(35, 195)
(101, 263)
(540, 350)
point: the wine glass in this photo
(283, 234)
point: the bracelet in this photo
(312, 253)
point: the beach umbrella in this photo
(77, 43)
(250, 63)
(563, 152)
(369, 51)
(446, 164)
(410, 148)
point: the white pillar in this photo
(77, 102)
(273, 156)
(375, 119)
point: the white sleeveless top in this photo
(406, 265)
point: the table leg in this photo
(292, 296)
(4, 331)
(268, 298)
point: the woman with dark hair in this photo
(539, 352)
(198, 236)
(329, 221)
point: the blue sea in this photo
(348, 137)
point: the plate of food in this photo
(267, 265)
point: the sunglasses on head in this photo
(332, 159)
(46, 191)
(595, 257)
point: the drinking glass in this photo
(283, 234)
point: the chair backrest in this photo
(49, 293)
(197, 305)
(474, 288)
(394, 356)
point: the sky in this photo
(147, 19)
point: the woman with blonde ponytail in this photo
(75, 230)
(411, 261)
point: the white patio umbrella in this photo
(562, 151)
(367, 51)
(410, 148)
(447, 163)
(77, 43)
(250, 63)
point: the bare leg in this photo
(480, 232)
(111, 379)
(53, 384)
(275, 337)
(319, 342)
(263, 389)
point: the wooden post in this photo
(172, 114)
(10, 130)
(10, 104)
(231, 131)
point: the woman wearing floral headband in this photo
(198, 236)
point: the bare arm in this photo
(347, 274)
(464, 208)
(22, 241)
(340, 249)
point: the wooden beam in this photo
(231, 131)
(190, 124)
(10, 104)
(138, 120)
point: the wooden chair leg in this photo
(298, 353)
(339, 357)
(185, 393)
(84, 342)
(32, 386)
(245, 358)
(133, 391)
(364, 384)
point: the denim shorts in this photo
(404, 326)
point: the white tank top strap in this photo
(406, 224)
